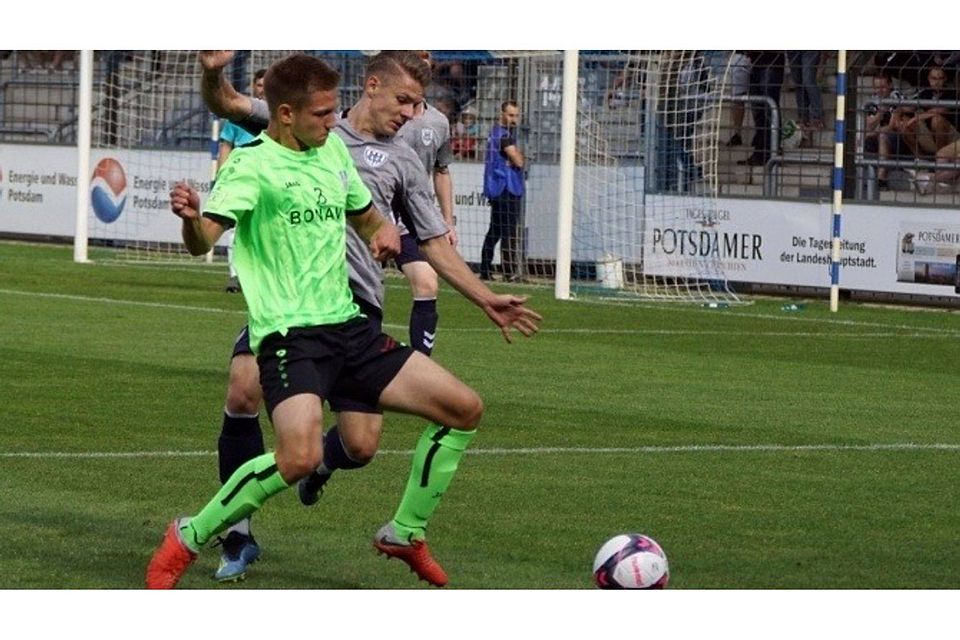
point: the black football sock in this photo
(241, 440)
(423, 325)
(335, 456)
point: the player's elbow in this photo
(197, 248)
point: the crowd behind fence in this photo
(776, 117)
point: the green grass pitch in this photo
(761, 448)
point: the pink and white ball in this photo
(631, 561)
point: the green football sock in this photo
(243, 493)
(435, 462)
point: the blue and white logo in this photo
(374, 158)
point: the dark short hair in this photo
(508, 103)
(259, 73)
(293, 79)
(390, 64)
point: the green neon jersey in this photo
(289, 209)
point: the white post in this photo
(568, 142)
(84, 123)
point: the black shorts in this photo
(353, 360)
(339, 402)
(241, 345)
(409, 251)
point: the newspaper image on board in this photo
(927, 254)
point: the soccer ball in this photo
(631, 561)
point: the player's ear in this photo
(373, 83)
(285, 114)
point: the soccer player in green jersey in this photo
(290, 195)
(393, 86)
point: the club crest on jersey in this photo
(375, 158)
(427, 136)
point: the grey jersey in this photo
(399, 185)
(429, 136)
(395, 176)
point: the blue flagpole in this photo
(838, 137)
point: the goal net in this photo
(646, 224)
(150, 130)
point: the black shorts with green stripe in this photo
(353, 361)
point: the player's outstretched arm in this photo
(219, 95)
(381, 235)
(199, 233)
(506, 311)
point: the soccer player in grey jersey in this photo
(428, 134)
(393, 173)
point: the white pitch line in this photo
(732, 313)
(133, 303)
(528, 451)
(926, 332)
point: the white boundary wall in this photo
(885, 249)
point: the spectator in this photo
(739, 86)
(903, 129)
(616, 95)
(766, 79)
(948, 154)
(448, 107)
(47, 60)
(902, 65)
(937, 126)
(803, 70)
(734, 68)
(731, 69)
(681, 110)
(879, 137)
(458, 76)
(465, 134)
(949, 61)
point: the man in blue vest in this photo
(503, 186)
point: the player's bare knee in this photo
(426, 289)
(362, 452)
(468, 413)
(298, 463)
(243, 399)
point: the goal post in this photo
(145, 129)
(644, 221)
(568, 150)
(84, 116)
